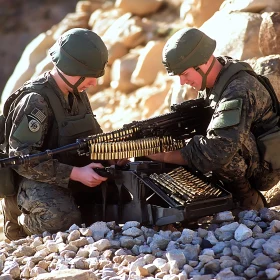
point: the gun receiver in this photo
(163, 133)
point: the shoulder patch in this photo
(227, 114)
(230, 105)
(28, 131)
(38, 114)
(34, 125)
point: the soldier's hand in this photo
(87, 176)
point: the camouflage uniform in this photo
(231, 152)
(46, 195)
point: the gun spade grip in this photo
(104, 172)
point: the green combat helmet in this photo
(188, 47)
(80, 52)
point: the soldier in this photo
(50, 111)
(243, 110)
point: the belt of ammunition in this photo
(184, 187)
(102, 150)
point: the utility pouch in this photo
(7, 180)
(269, 147)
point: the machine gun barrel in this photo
(48, 154)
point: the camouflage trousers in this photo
(46, 207)
(260, 177)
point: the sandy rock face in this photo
(227, 29)
(121, 72)
(100, 20)
(34, 52)
(146, 7)
(149, 63)
(251, 6)
(268, 66)
(196, 12)
(128, 30)
(269, 38)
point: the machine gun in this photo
(163, 133)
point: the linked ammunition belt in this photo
(134, 148)
(163, 133)
(184, 187)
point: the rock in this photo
(67, 275)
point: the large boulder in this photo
(196, 12)
(121, 72)
(126, 29)
(237, 34)
(116, 50)
(32, 55)
(251, 6)
(146, 7)
(268, 66)
(149, 64)
(100, 20)
(269, 39)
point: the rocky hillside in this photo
(136, 85)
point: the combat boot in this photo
(11, 212)
(248, 198)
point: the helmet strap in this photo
(204, 75)
(75, 86)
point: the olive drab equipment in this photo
(65, 129)
(267, 134)
(80, 52)
(188, 47)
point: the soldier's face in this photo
(88, 82)
(192, 78)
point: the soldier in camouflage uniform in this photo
(50, 111)
(229, 149)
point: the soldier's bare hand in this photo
(87, 176)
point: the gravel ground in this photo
(223, 246)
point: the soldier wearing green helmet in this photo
(51, 111)
(245, 107)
